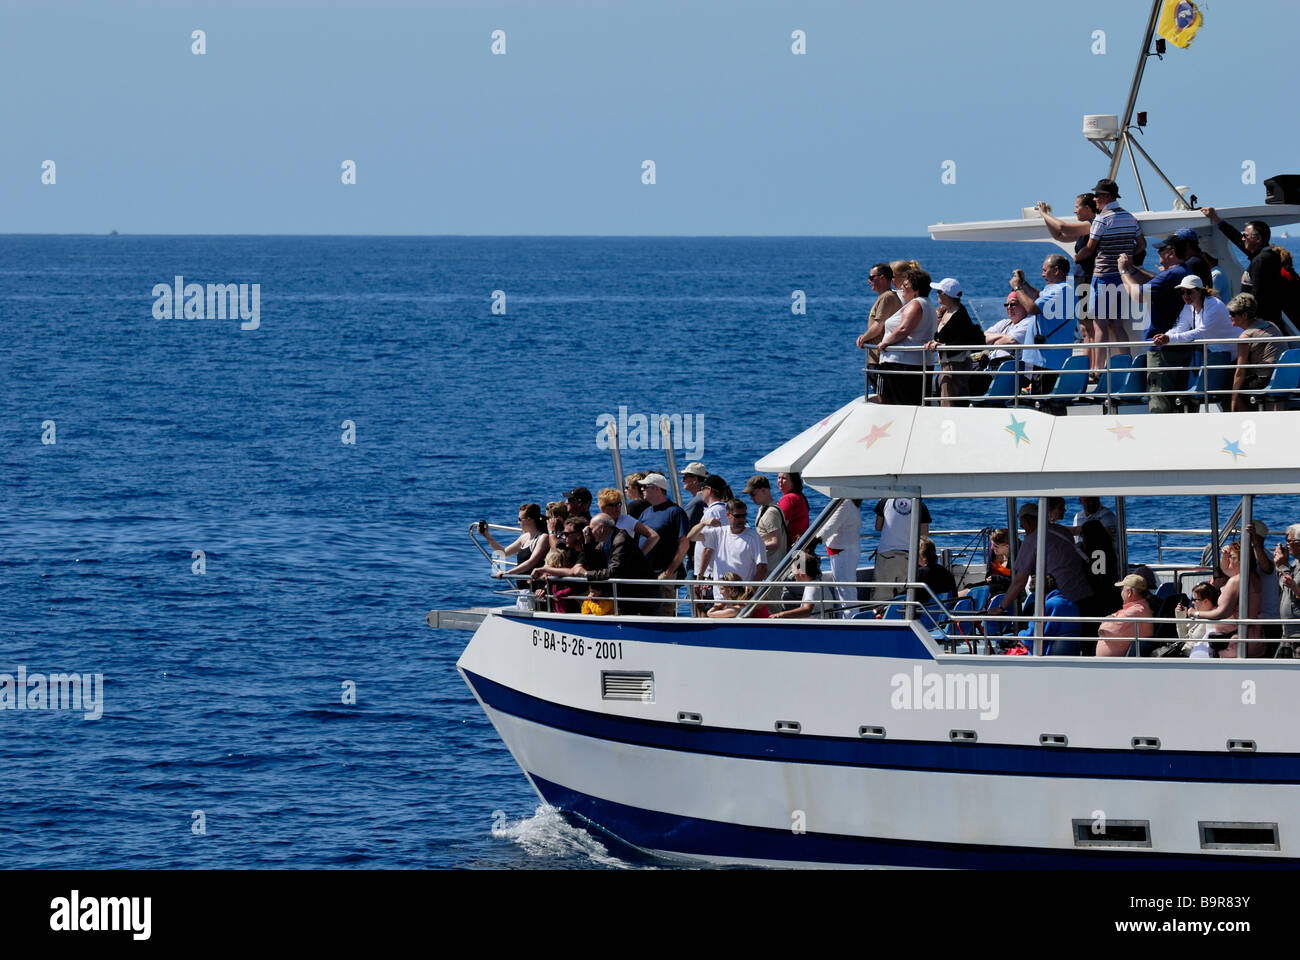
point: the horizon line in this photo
(512, 236)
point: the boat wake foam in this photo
(546, 834)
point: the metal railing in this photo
(939, 616)
(1020, 384)
(498, 563)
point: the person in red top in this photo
(793, 504)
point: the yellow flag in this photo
(1179, 21)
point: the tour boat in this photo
(899, 740)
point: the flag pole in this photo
(611, 430)
(666, 430)
(1133, 90)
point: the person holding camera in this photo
(1053, 311)
(532, 544)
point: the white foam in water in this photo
(547, 834)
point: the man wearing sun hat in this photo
(1114, 231)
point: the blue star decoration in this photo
(1233, 447)
(1017, 429)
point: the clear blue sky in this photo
(747, 138)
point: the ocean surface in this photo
(225, 739)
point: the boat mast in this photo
(666, 431)
(611, 431)
(1133, 90)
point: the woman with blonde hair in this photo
(912, 327)
(734, 599)
(1257, 349)
(1229, 604)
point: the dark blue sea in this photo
(224, 739)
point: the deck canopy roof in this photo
(1155, 223)
(868, 450)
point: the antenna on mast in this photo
(1104, 129)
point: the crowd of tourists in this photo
(704, 559)
(641, 534)
(1100, 303)
(1083, 600)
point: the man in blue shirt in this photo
(1056, 604)
(1053, 311)
(1163, 302)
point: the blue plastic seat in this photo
(895, 611)
(1002, 389)
(1131, 384)
(1071, 383)
(1284, 384)
(995, 628)
(1214, 378)
(979, 596)
(1114, 376)
(954, 632)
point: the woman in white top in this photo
(901, 381)
(1204, 317)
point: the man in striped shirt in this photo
(1114, 231)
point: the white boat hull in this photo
(731, 789)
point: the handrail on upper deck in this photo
(1105, 390)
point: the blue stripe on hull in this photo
(689, 836)
(936, 757)
(827, 636)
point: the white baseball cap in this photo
(655, 480)
(949, 286)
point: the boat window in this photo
(1238, 836)
(1112, 833)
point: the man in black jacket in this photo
(622, 560)
(1265, 265)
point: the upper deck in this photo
(868, 449)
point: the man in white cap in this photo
(693, 478)
(669, 521)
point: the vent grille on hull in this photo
(627, 685)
